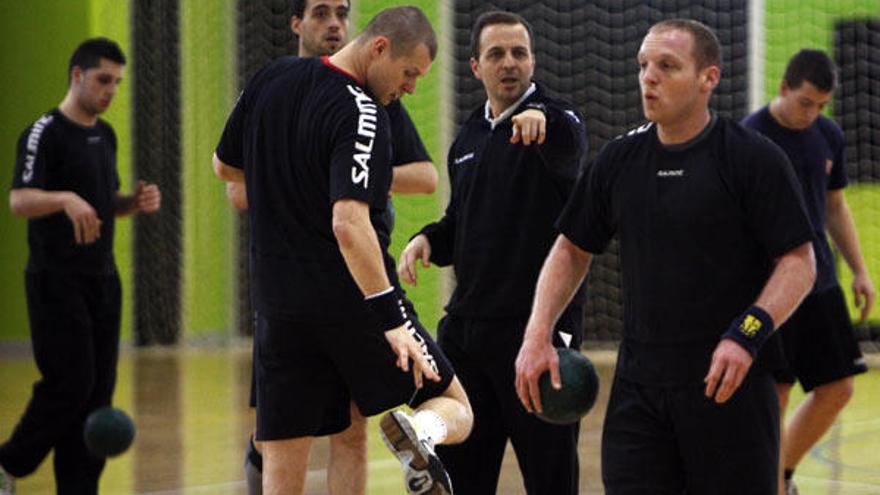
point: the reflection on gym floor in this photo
(190, 408)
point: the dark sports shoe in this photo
(791, 488)
(423, 472)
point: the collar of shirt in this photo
(699, 138)
(509, 110)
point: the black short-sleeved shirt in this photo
(699, 225)
(500, 221)
(57, 154)
(817, 155)
(307, 135)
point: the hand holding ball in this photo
(580, 385)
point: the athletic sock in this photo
(788, 474)
(430, 426)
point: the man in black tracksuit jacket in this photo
(511, 168)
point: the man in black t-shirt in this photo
(66, 185)
(715, 253)
(311, 138)
(511, 169)
(321, 27)
(820, 345)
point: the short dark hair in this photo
(707, 48)
(405, 27)
(298, 7)
(497, 17)
(89, 53)
(813, 66)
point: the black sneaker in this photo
(423, 472)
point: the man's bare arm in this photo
(414, 178)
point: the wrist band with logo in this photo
(750, 329)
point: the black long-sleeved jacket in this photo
(505, 199)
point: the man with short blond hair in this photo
(334, 342)
(321, 28)
(715, 253)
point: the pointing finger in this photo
(517, 133)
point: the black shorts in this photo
(673, 440)
(308, 373)
(820, 343)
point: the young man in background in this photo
(66, 185)
(820, 345)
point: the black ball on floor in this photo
(580, 385)
(108, 432)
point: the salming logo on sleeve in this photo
(33, 145)
(366, 131)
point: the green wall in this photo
(208, 76)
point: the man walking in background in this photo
(820, 344)
(67, 186)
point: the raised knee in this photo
(467, 419)
(464, 413)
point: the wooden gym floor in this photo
(190, 408)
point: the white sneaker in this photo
(791, 488)
(422, 470)
(7, 483)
